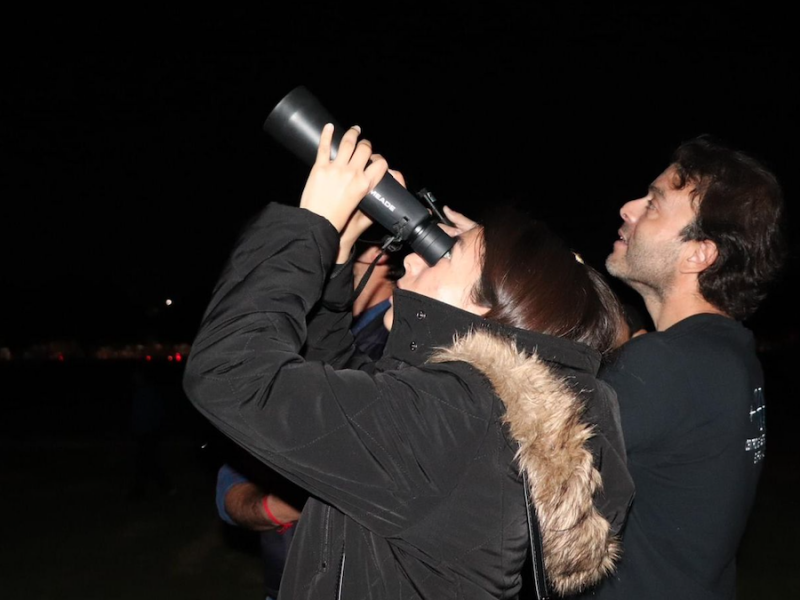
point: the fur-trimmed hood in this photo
(544, 416)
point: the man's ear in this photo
(703, 254)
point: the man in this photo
(700, 248)
(251, 495)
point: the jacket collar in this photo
(542, 414)
(423, 325)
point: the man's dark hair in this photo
(532, 280)
(740, 208)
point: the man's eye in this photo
(649, 205)
(448, 255)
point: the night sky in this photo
(133, 151)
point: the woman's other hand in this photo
(359, 222)
(461, 222)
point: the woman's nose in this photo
(413, 263)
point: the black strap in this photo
(537, 551)
(390, 244)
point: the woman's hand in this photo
(461, 222)
(335, 187)
(359, 222)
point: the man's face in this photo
(650, 248)
(451, 279)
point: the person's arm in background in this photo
(242, 503)
(329, 338)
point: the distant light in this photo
(61, 357)
(168, 302)
(178, 357)
(169, 358)
(148, 358)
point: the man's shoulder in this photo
(698, 349)
(696, 335)
(657, 360)
(642, 352)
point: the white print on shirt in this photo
(757, 417)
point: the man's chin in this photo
(614, 266)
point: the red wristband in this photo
(282, 527)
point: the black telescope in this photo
(297, 122)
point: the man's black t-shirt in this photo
(692, 406)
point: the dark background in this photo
(132, 155)
(134, 150)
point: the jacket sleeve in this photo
(329, 337)
(380, 448)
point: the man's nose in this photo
(632, 210)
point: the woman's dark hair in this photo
(532, 280)
(739, 205)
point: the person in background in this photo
(636, 322)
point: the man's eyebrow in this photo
(656, 191)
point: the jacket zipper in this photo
(326, 540)
(341, 577)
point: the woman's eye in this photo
(448, 255)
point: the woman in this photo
(415, 462)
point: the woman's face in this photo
(450, 280)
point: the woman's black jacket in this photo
(413, 462)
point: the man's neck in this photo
(676, 307)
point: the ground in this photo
(73, 531)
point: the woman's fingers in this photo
(325, 140)
(376, 170)
(398, 176)
(461, 222)
(362, 154)
(348, 145)
(451, 231)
